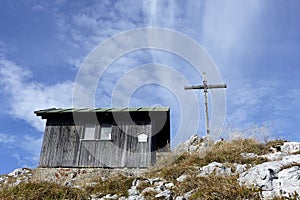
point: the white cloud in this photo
(25, 96)
(7, 139)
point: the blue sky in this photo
(255, 45)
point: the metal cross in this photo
(205, 87)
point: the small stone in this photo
(188, 194)
(165, 193)
(182, 178)
(248, 155)
(215, 167)
(68, 184)
(2, 179)
(17, 182)
(169, 185)
(135, 197)
(136, 182)
(153, 180)
(133, 191)
(239, 168)
(18, 172)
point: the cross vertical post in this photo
(205, 88)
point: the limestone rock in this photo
(194, 144)
(182, 178)
(239, 168)
(165, 193)
(18, 172)
(275, 177)
(215, 167)
(290, 147)
(169, 185)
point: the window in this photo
(89, 132)
(142, 137)
(105, 132)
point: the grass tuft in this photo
(218, 187)
(118, 184)
(43, 190)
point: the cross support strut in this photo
(205, 87)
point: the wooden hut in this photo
(104, 137)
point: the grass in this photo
(217, 187)
(117, 184)
(230, 151)
(223, 152)
(41, 191)
(289, 166)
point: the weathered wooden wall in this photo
(62, 147)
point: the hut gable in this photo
(104, 137)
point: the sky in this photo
(255, 46)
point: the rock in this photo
(3, 179)
(165, 193)
(275, 177)
(214, 167)
(68, 184)
(180, 198)
(135, 198)
(159, 187)
(136, 182)
(153, 180)
(194, 144)
(274, 156)
(18, 172)
(18, 181)
(249, 155)
(290, 147)
(188, 194)
(109, 196)
(182, 178)
(239, 168)
(133, 191)
(169, 185)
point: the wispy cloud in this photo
(25, 96)
(7, 139)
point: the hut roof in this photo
(50, 111)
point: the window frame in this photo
(108, 132)
(87, 127)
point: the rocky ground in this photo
(278, 175)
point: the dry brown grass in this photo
(118, 184)
(223, 152)
(230, 152)
(290, 165)
(216, 187)
(41, 191)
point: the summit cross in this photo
(205, 88)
